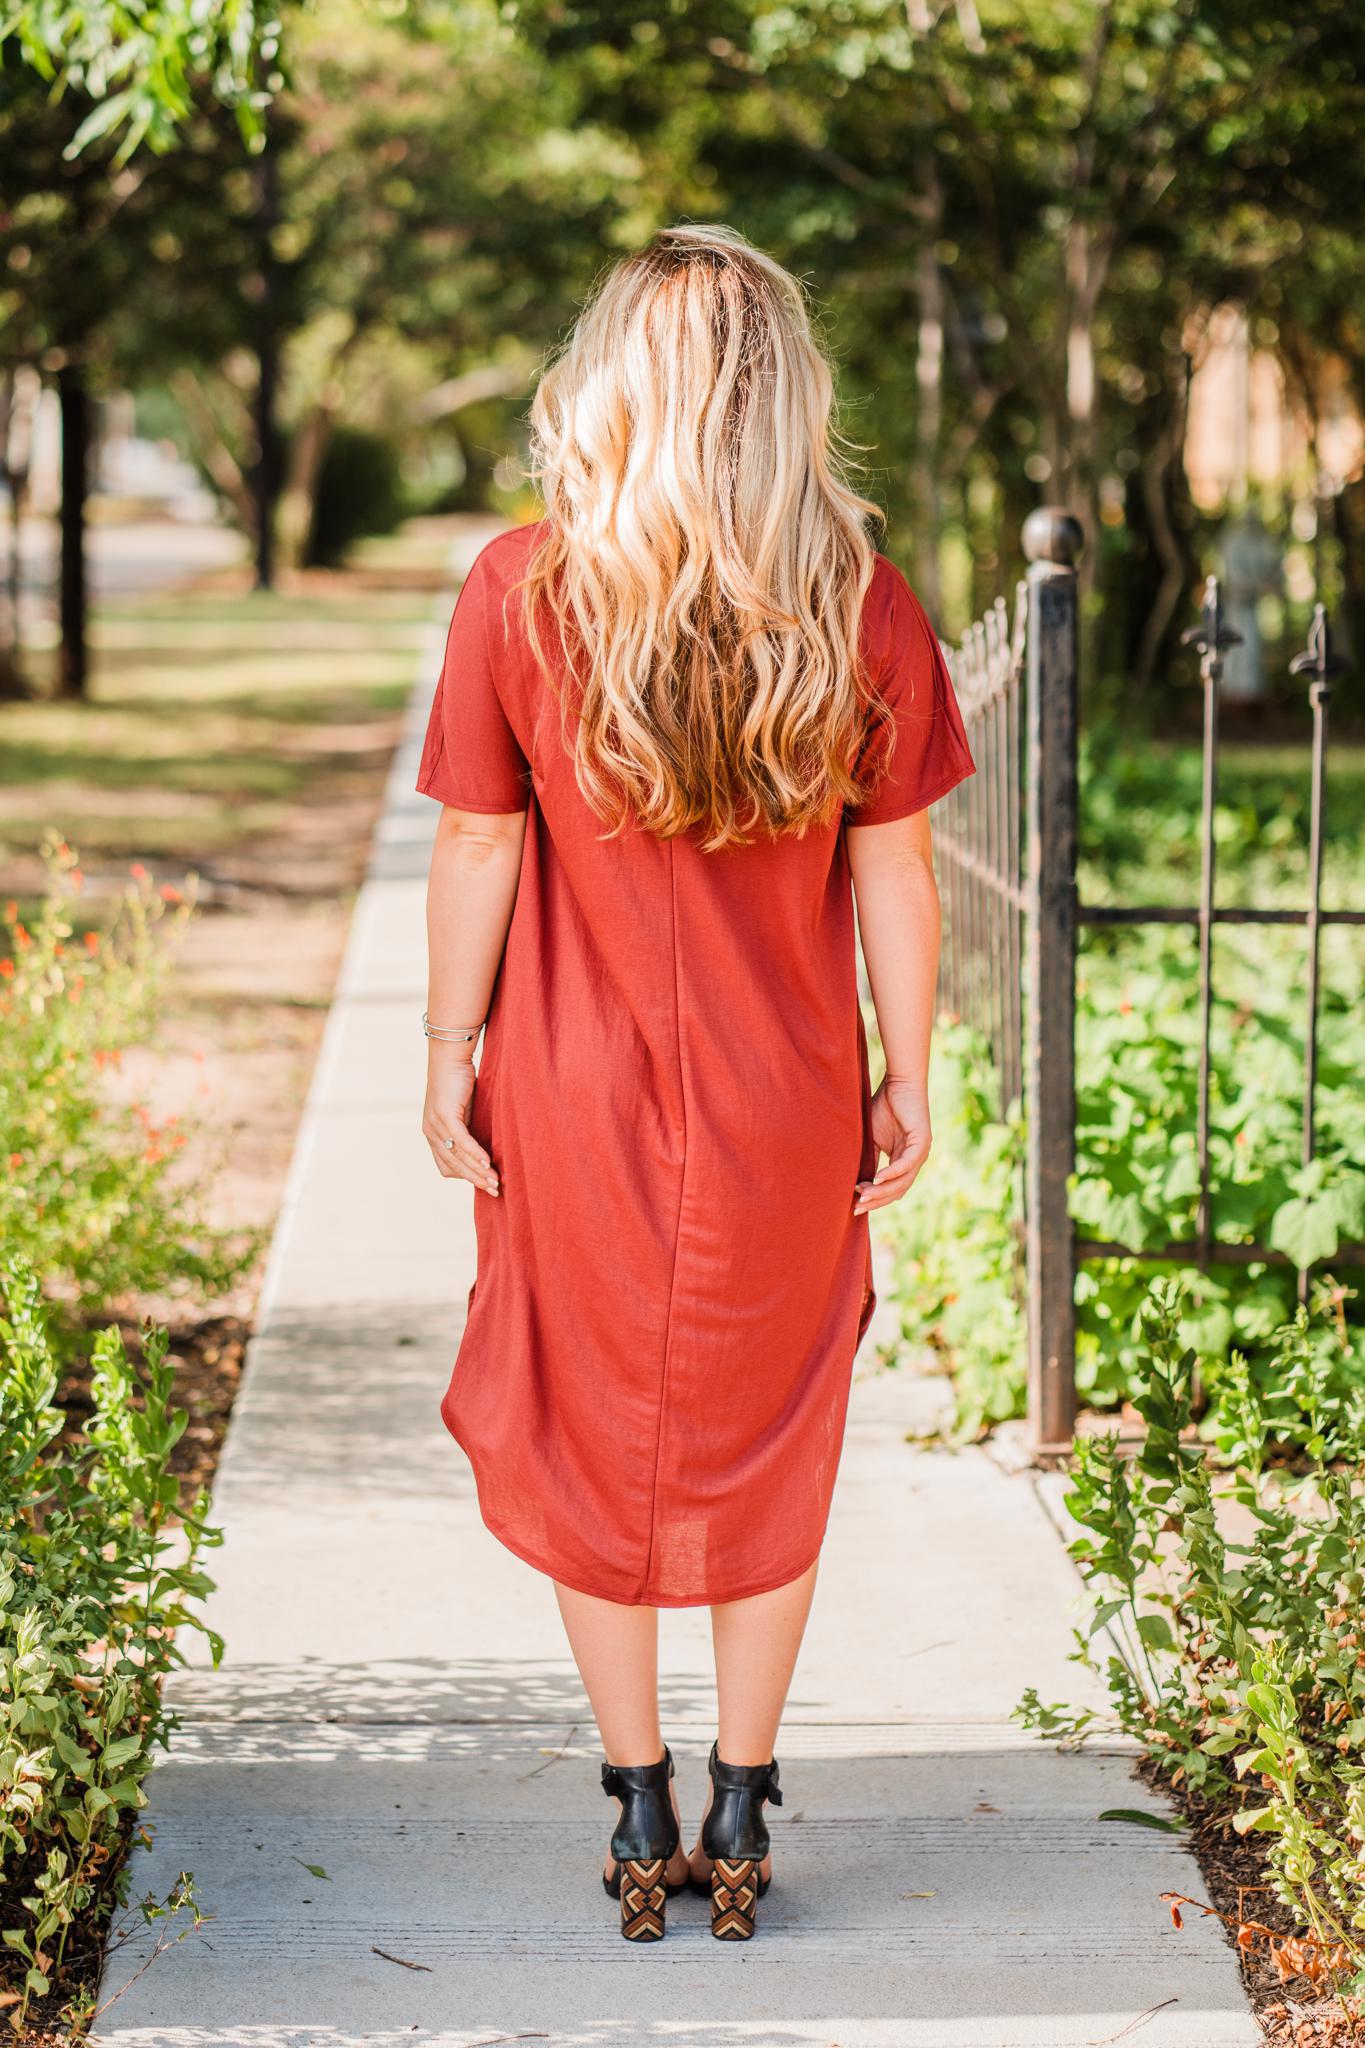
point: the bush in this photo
(959, 1282)
(1240, 1664)
(85, 1197)
(359, 493)
(959, 1276)
(93, 1587)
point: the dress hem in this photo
(577, 1585)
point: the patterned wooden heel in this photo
(644, 1898)
(735, 1892)
(735, 1837)
(646, 1836)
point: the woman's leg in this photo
(616, 1650)
(756, 1644)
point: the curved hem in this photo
(577, 1585)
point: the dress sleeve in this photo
(471, 758)
(930, 754)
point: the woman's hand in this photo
(900, 1125)
(445, 1119)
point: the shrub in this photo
(1238, 1661)
(85, 1196)
(960, 1281)
(360, 492)
(93, 1586)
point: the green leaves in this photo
(1139, 1817)
(140, 63)
(1328, 1204)
(91, 1594)
(1155, 1632)
(1240, 1664)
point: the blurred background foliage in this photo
(301, 232)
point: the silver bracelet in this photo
(450, 1034)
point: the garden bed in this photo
(1234, 1873)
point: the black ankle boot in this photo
(735, 1837)
(645, 1837)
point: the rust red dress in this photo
(653, 1377)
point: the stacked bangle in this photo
(450, 1034)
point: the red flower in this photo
(16, 1160)
(92, 942)
(7, 969)
(11, 911)
(138, 872)
(170, 894)
(23, 938)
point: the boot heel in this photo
(734, 1897)
(644, 1898)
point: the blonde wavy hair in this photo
(704, 558)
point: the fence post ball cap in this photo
(1052, 534)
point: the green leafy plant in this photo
(960, 1283)
(140, 64)
(87, 1195)
(1228, 1613)
(958, 1259)
(99, 1568)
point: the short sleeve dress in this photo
(652, 1381)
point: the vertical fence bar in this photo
(1212, 638)
(1321, 664)
(971, 892)
(1213, 675)
(1015, 1081)
(999, 829)
(1052, 542)
(949, 827)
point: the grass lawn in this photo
(214, 716)
(243, 739)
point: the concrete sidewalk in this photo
(398, 1709)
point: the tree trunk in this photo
(12, 683)
(12, 653)
(929, 413)
(265, 479)
(1160, 482)
(74, 398)
(298, 497)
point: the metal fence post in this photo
(1052, 541)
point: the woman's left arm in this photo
(475, 865)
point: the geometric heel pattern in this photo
(644, 1896)
(734, 1898)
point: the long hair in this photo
(703, 558)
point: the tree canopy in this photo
(1016, 217)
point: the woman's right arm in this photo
(475, 867)
(898, 921)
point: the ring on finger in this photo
(450, 1144)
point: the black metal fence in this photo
(1008, 843)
